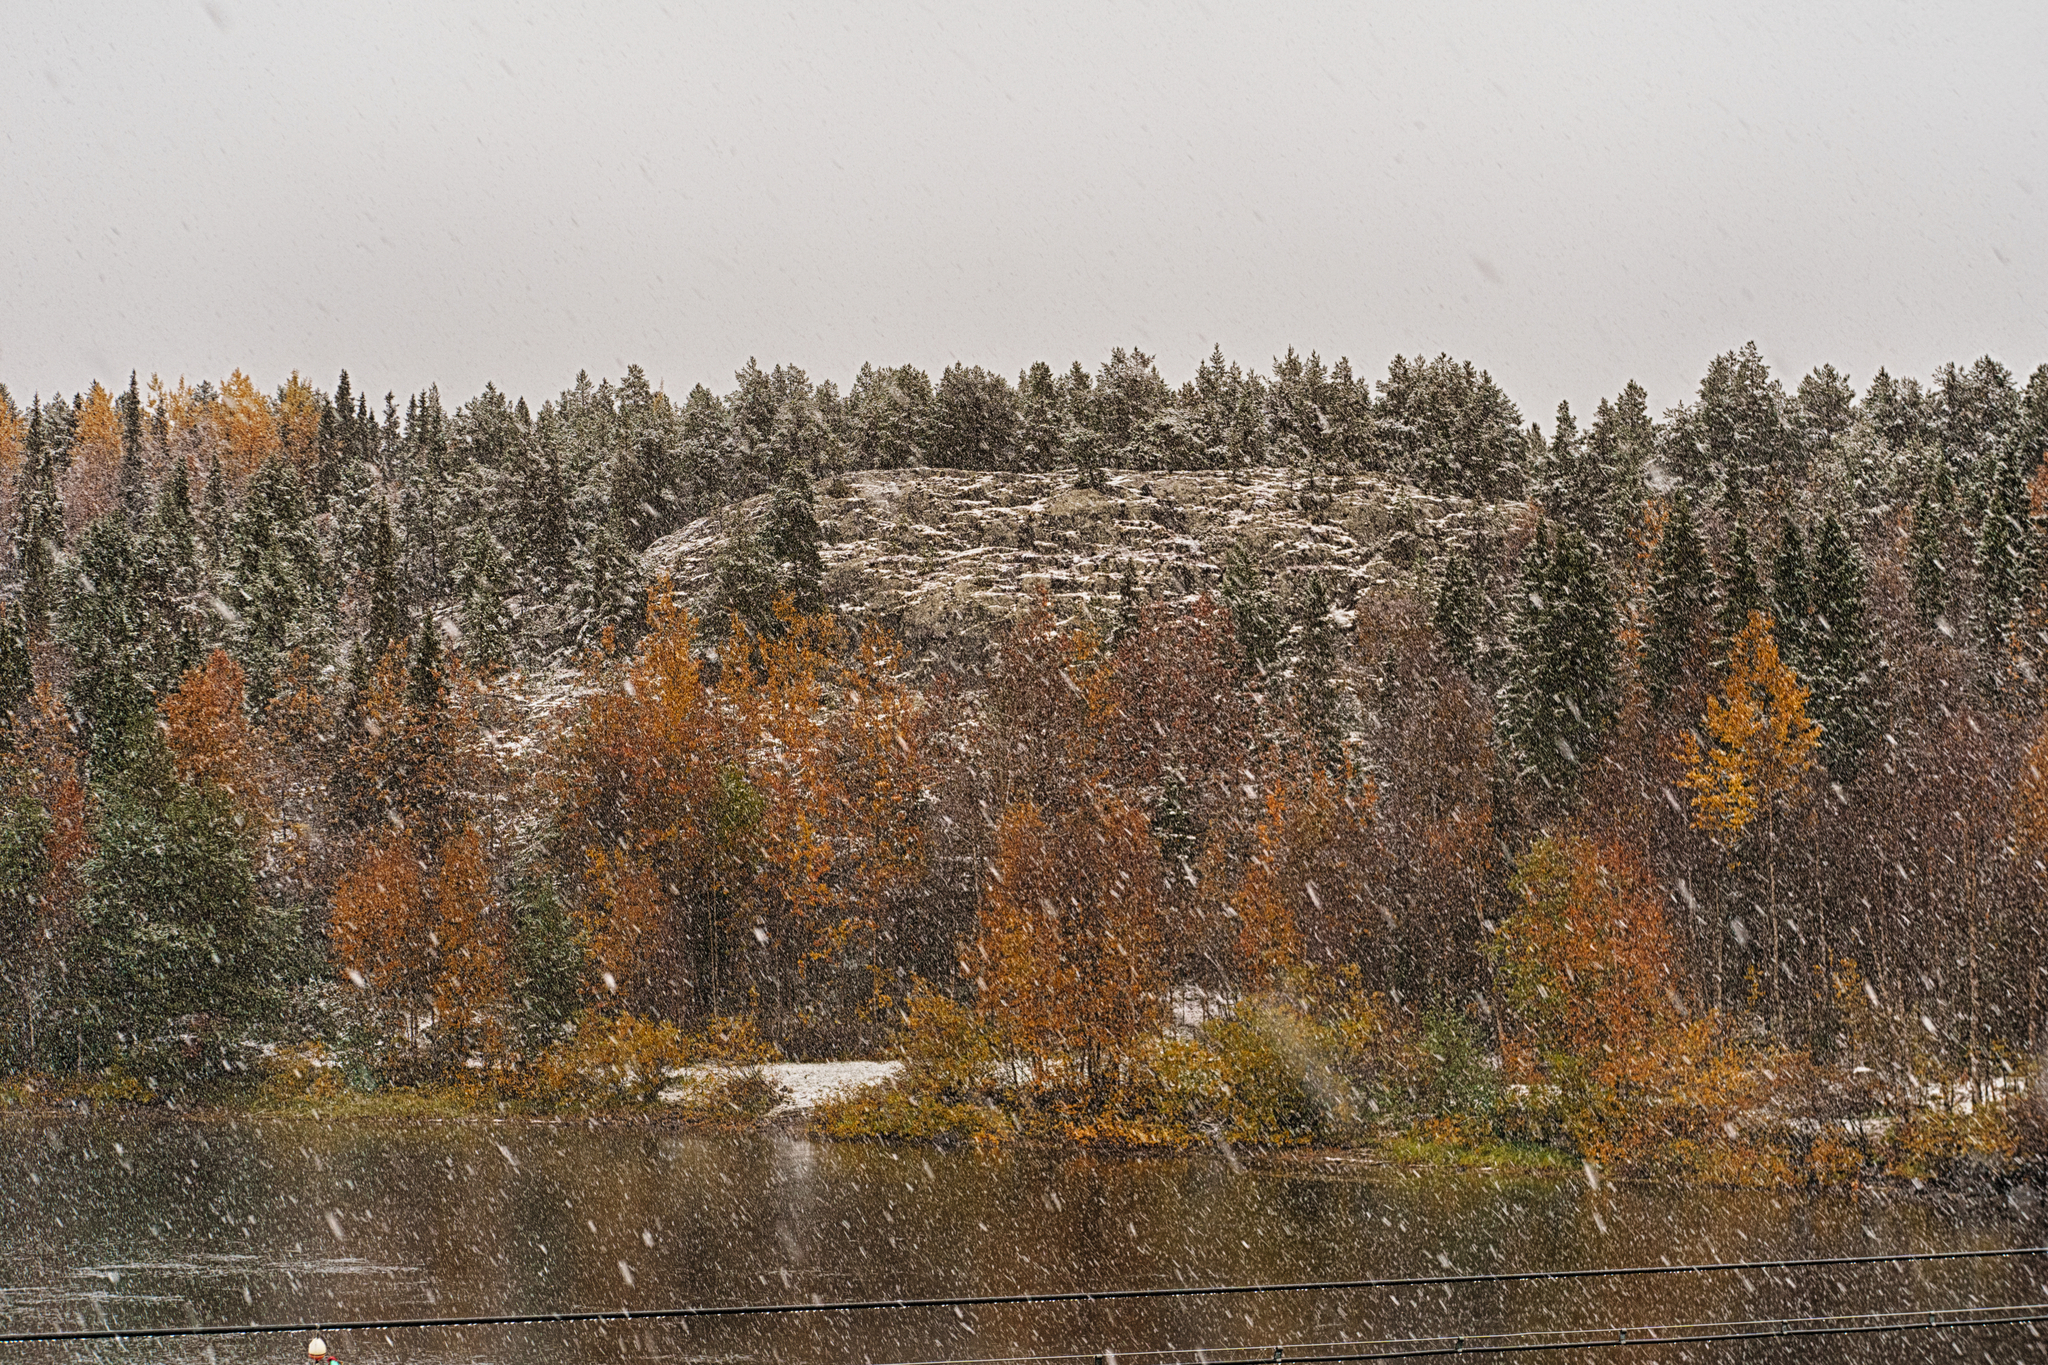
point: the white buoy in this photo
(316, 1349)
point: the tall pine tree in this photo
(1791, 602)
(1313, 686)
(1256, 618)
(791, 540)
(1680, 639)
(1455, 617)
(1842, 666)
(1561, 698)
(1926, 565)
(389, 621)
(134, 486)
(39, 522)
(17, 675)
(1742, 592)
(112, 680)
(2007, 571)
(486, 624)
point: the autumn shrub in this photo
(907, 1113)
(947, 1091)
(1440, 1070)
(728, 1095)
(1314, 1060)
(946, 1048)
(1696, 1108)
(727, 1040)
(1181, 1081)
(1116, 1132)
(1280, 1072)
(626, 1060)
(1834, 1159)
(1929, 1144)
(609, 1062)
(304, 1071)
(111, 1085)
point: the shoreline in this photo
(1396, 1156)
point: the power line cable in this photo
(1001, 1300)
(1554, 1339)
(1763, 1330)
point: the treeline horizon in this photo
(1728, 715)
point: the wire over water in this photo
(1554, 1339)
(1000, 1300)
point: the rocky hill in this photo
(941, 555)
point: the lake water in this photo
(137, 1222)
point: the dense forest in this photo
(357, 722)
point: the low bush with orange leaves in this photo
(626, 1061)
(1316, 1061)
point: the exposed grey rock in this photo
(944, 555)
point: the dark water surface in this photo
(133, 1223)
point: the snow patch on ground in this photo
(806, 1085)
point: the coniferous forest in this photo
(1682, 806)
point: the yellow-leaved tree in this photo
(298, 424)
(13, 437)
(91, 480)
(1586, 963)
(380, 930)
(251, 421)
(656, 812)
(1759, 748)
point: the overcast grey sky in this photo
(454, 193)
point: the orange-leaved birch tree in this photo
(1068, 957)
(379, 929)
(833, 751)
(1295, 883)
(1268, 937)
(877, 734)
(42, 782)
(655, 815)
(2030, 846)
(13, 453)
(466, 942)
(13, 441)
(774, 689)
(424, 937)
(631, 934)
(1760, 747)
(1585, 966)
(206, 727)
(1586, 955)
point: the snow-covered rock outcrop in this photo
(941, 555)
